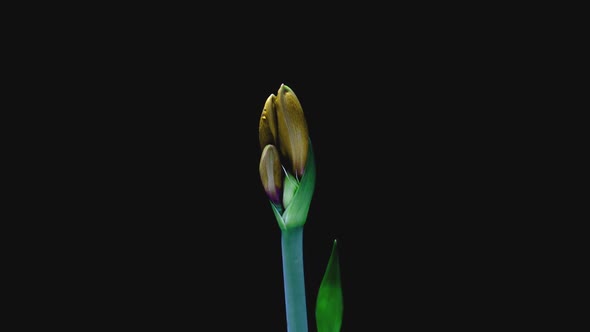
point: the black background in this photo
(183, 232)
(165, 222)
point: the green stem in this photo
(292, 250)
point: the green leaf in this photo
(329, 303)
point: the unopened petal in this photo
(271, 173)
(267, 127)
(292, 129)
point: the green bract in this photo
(295, 214)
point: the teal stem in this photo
(293, 277)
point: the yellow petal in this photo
(271, 173)
(267, 127)
(293, 131)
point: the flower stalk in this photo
(294, 280)
(285, 143)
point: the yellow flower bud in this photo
(292, 129)
(271, 173)
(267, 127)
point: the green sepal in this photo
(278, 216)
(295, 214)
(290, 186)
(329, 303)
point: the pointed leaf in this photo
(329, 303)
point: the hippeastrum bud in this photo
(293, 134)
(267, 127)
(287, 166)
(271, 173)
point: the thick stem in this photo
(293, 277)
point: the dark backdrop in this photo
(169, 222)
(183, 230)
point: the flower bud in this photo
(267, 127)
(271, 173)
(292, 130)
